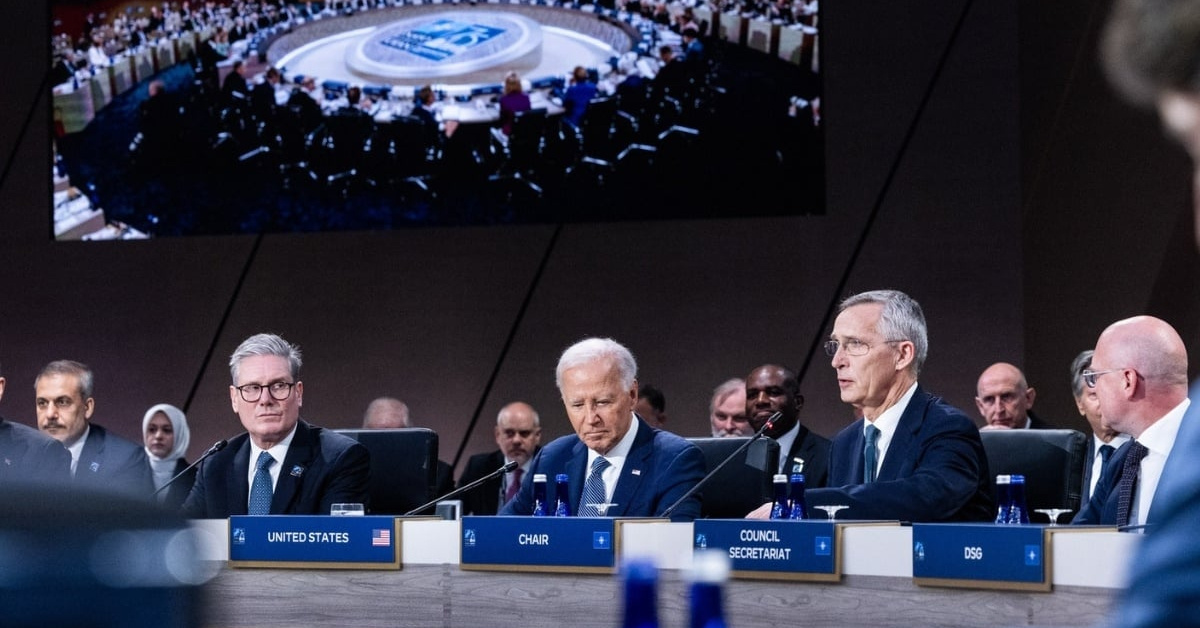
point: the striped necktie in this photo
(594, 491)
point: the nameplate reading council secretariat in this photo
(981, 556)
(560, 544)
(775, 549)
(314, 541)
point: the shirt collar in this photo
(1160, 437)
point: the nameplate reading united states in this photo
(981, 556)
(794, 550)
(314, 541)
(562, 544)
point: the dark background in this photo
(1018, 200)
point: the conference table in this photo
(876, 587)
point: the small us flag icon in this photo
(381, 538)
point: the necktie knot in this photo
(265, 461)
(514, 484)
(600, 464)
(595, 492)
(1106, 452)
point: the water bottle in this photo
(1003, 498)
(799, 509)
(1018, 513)
(780, 510)
(540, 507)
(562, 496)
(641, 594)
(708, 574)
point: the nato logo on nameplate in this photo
(774, 549)
(981, 556)
(314, 541)
(560, 544)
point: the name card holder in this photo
(542, 544)
(314, 542)
(984, 556)
(777, 549)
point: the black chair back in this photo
(1050, 460)
(744, 483)
(403, 467)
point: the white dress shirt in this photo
(1159, 439)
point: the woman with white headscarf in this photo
(166, 436)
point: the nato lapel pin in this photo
(297, 471)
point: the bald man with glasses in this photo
(281, 465)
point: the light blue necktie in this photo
(594, 492)
(869, 454)
(261, 491)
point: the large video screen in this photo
(202, 118)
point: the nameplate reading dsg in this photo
(566, 544)
(314, 541)
(796, 549)
(980, 556)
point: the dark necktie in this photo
(514, 485)
(869, 455)
(1129, 477)
(594, 493)
(1106, 452)
(261, 491)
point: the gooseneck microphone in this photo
(704, 480)
(217, 446)
(506, 468)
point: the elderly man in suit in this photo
(29, 457)
(1005, 400)
(618, 465)
(100, 460)
(519, 435)
(912, 457)
(281, 465)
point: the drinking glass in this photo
(1054, 513)
(831, 511)
(346, 510)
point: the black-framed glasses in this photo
(852, 346)
(1089, 376)
(253, 392)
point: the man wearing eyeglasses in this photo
(1005, 400)
(1139, 373)
(281, 465)
(912, 457)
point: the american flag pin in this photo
(8, 462)
(297, 471)
(636, 471)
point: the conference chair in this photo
(1050, 460)
(403, 467)
(744, 483)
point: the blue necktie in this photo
(1106, 452)
(261, 491)
(594, 492)
(869, 454)
(1129, 476)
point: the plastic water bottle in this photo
(1003, 498)
(708, 574)
(1018, 512)
(562, 496)
(641, 594)
(780, 510)
(799, 509)
(540, 507)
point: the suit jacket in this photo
(1101, 507)
(660, 468)
(111, 463)
(321, 468)
(28, 456)
(1035, 423)
(813, 449)
(935, 469)
(178, 491)
(485, 498)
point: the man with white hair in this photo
(618, 465)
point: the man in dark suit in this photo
(29, 457)
(618, 465)
(1005, 400)
(281, 465)
(925, 461)
(1104, 440)
(518, 434)
(99, 460)
(771, 388)
(1139, 373)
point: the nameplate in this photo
(314, 541)
(774, 549)
(557, 544)
(981, 556)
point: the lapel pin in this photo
(636, 471)
(297, 471)
(95, 466)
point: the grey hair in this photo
(87, 381)
(537, 420)
(900, 319)
(1081, 363)
(265, 344)
(591, 349)
(722, 392)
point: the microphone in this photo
(737, 452)
(217, 446)
(505, 468)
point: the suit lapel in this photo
(577, 473)
(237, 483)
(89, 456)
(295, 466)
(634, 471)
(906, 431)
